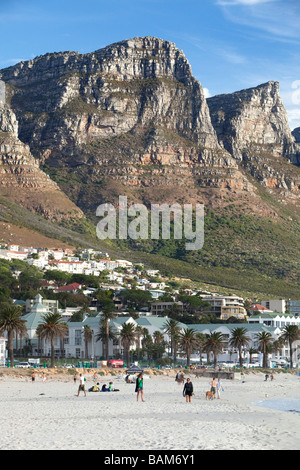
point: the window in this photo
(78, 338)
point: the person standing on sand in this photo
(188, 390)
(81, 387)
(139, 386)
(219, 388)
(179, 378)
(213, 385)
(75, 378)
(32, 377)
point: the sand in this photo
(39, 416)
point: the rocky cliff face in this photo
(253, 126)
(131, 118)
(21, 179)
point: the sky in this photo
(230, 44)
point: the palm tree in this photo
(265, 340)
(290, 334)
(107, 315)
(239, 340)
(215, 342)
(102, 334)
(187, 342)
(251, 351)
(138, 335)
(159, 340)
(201, 342)
(173, 330)
(52, 327)
(88, 336)
(128, 337)
(11, 322)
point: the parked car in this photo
(115, 363)
(23, 365)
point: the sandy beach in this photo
(49, 415)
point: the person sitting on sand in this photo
(104, 388)
(95, 388)
(112, 388)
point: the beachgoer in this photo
(32, 377)
(213, 385)
(219, 388)
(105, 388)
(266, 377)
(44, 377)
(188, 390)
(139, 387)
(75, 378)
(272, 377)
(95, 377)
(81, 387)
(179, 378)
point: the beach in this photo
(49, 416)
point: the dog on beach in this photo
(209, 395)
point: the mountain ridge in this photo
(130, 119)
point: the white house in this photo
(2, 351)
(231, 354)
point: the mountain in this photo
(131, 119)
(22, 181)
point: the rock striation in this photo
(131, 117)
(252, 125)
(21, 179)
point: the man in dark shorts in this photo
(81, 387)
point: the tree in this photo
(239, 339)
(11, 322)
(128, 337)
(139, 334)
(88, 336)
(52, 327)
(159, 341)
(135, 297)
(187, 342)
(215, 342)
(107, 315)
(147, 343)
(60, 277)
(173, 330)
(251, 351)
(264, 339)
(201, 343)
(291, 333)
(102, 335)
